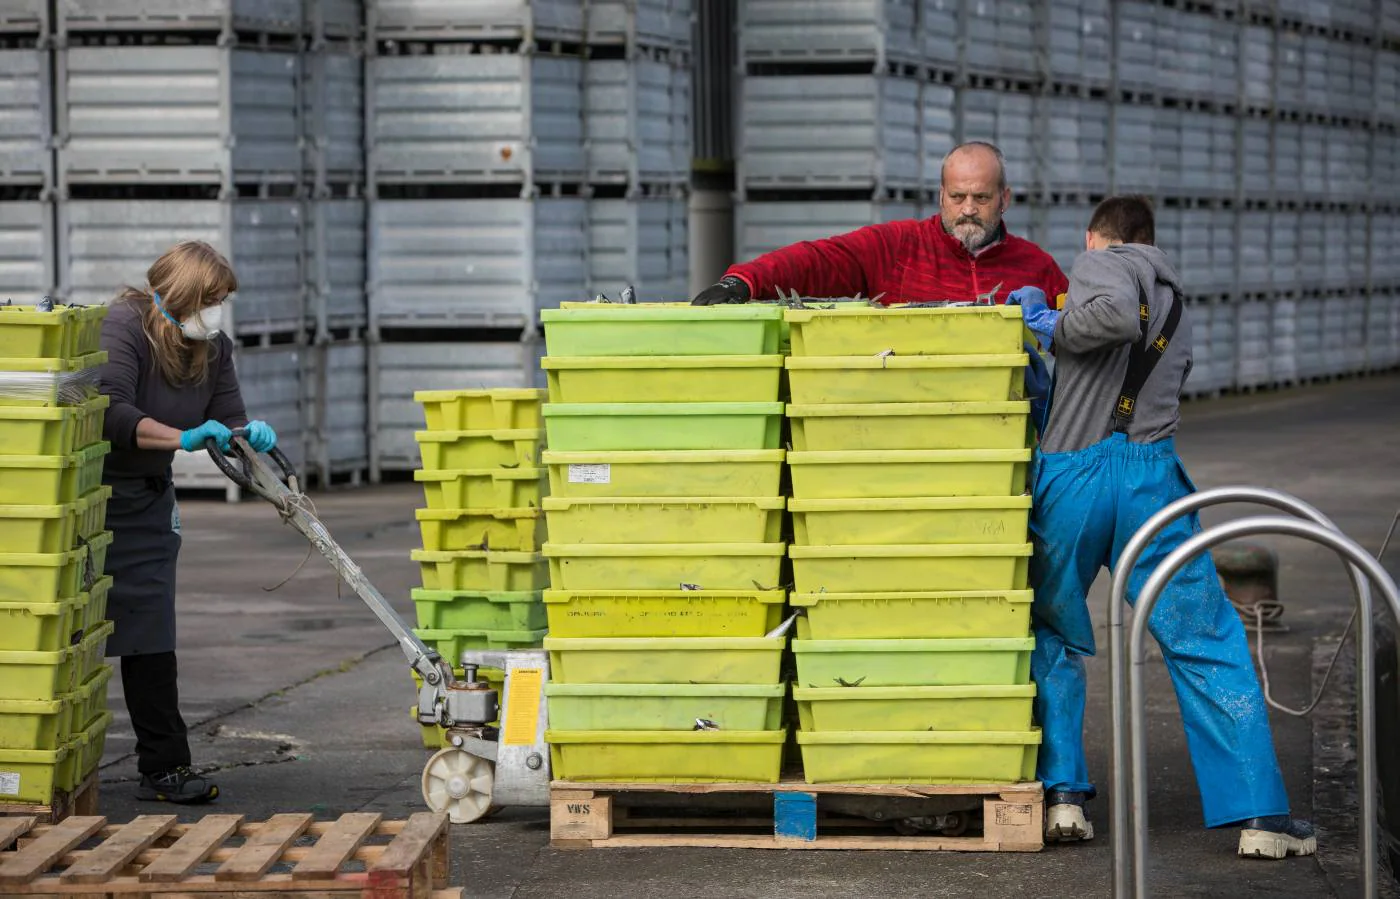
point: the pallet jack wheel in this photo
(458, 783)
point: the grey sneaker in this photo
(179, 785)
(1065, 821)
(1275, 837)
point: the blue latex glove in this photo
(193, 439)
(260, 436)
(1036, 312)
(1038, 387)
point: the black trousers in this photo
(153, 700)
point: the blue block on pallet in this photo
(795, 816)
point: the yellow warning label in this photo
(522, 707)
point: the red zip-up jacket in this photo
(908, 262)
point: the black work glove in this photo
(729, 290)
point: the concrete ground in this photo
(299, 701)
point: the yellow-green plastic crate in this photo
(455, 450)
(593, 427)
(909, 426)
(94, 743)
(484, 488)
(941, 519)
(92, 605)
(90, 652)
(739, 330)
(948, 331)
(513, 530)
(63, 332)
(906, 379)
(436, 737)
(482, 570)
(678, 473)
(908, 473)
(964, 708)
(31, 775)
(666, 520)
(40, 576)
(921, 615)
(92, 512)
(913, 663)
(481, 410)
(664, 566)
(40, 528)
(89, 700)
(38, 675)
(665, 660)
(36, 383)
(639, 756)
(665, 706)
(480, 610)
(51, 430)
(663, 613)
(898, 568)
(34, 723)
(39, 626)
(450, 644)
(919, 757)
(663, 379)
(40, 480)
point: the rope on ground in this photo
(1267, 613)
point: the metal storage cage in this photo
(479, 117)
(938, 32)
(1000, 38)
(337, 410)
(28, 269)
(636, 112)
(270, 16)
(829, 131)
(106, 244)
(655, 23)
(1076, 145)
(1283, 315)
(761, 227)
(344, 19)
(335, 264)
(635, 242)
(24, 17)
(26, 123)
(1383, 331)
(234, 119)
(828, 30)
(270, 379)
(938, 129)
(1007, 120)
(333, 115)
(474, 263)
(525, 20)
(1254, 366)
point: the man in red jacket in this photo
(963, 254)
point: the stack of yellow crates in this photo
(482, 527)
(666, 549)
(910, 442)
(53, 546)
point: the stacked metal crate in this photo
(53, 548)
(520, 155)
(28, 269)
(910, 552)
(666, 550)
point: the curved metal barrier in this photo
(1118, 665)
(1361, 562)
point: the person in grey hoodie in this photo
(1106, 463)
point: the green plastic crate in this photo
(41, 676)
(665, 660)
(30, 576)
(93, 604)
(919, 757)
(921, 615)
(731, 707)
(675, 473)
(34, 723)
(62, 332)
(737, 330)
(963, 708)
(89, 700)
(945, 331)
(509, 572)
(42, 480)
(639, 756)
(910, 567)
(910, 426)
(666, 520)
(862, 474)
(40, 529)
(913, 663)
(92, 744)
(592, 427)
(456, 450)
(663, 379)
(51, 430)
(906, 379)
(484, 488)
(512, 530)
(665, 566)
(39, 626)
(663, 613)
(450, 644)
(41, 382)
(32, 775)
(479, 610)
(90, 652)
(939, 519)
(473, 410)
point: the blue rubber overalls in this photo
(1086, 505)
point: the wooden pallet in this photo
(606, 815)
(82, 801)
(223, 857)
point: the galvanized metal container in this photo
(637, 121)
(271, 16)
(335, 264)
(639, 242)
(655, 23)
(333, 116)
(527, 20)
(26, 123)
(28, 268)
(828, 30)
(24, 17)
(761, 227)
(337, 408)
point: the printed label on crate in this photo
(522, 707)
(590, 474)
(9, 783)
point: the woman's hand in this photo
(260, 436)
(193, 439)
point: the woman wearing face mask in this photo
(171, 379)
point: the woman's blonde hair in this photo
(189, 277)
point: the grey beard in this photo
(973, 243)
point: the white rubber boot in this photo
(1066, 823)
(1274, 845)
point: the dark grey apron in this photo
(144, 522)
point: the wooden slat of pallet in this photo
(262, 850)
(12, 829)
(336, 846)
(418, 852)
(117, 851)
(192, 847)
(35, 858)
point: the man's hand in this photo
(729, 290)
(1036, 312)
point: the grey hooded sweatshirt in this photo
(1097, 327)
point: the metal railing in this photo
(1128, 710)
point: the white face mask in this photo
(205, 324)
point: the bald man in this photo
(963, 254)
